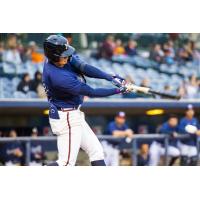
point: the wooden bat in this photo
(147, 90)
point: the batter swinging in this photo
(63, 77)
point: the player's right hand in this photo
(127, 88)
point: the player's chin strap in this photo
(98, 163)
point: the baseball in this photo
(191, 129)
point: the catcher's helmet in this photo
(56, 46)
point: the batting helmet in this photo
(56, 46)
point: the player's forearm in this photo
(100, 92)
(89, 70)
(93, 72)
(119, 133)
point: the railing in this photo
(135, 140)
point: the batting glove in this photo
(118, 81)
(127, 88)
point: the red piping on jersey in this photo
(69, 151)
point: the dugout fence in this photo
(134, 143)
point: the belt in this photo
(68, 109)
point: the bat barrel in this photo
(162, 94)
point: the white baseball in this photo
(191, 129)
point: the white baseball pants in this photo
(74, 133)
(156, 150)
(111, 154)
(187, 150)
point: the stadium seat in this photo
(15, 82)
(21, 69)
(19, 95)
(31, 94)
(9, 68)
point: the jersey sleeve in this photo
(71, 85)
(165, 130)
(181, 127)
(126, 127)
(89, 70)
(198, 124)
(111, 128)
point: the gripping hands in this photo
(123, 86)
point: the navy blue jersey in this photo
(9, 149)
(143, 161)
(112, 126)
(168, 130)
(36, 152)
(183, 123)
(64, 86)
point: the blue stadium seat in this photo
(31, 94)
(9, 68)
(21, 69)
(15, 82)
(19, 95)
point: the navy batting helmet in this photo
(56, 46)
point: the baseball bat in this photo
(147, 90)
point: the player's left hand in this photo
(118, 81)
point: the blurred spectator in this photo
(186, 53)
(182, 91)
(1, 51)
(11, 55)
(189, 155)
(131, 48)
(37, 155)
(24, 85)
(117, 128)
(192, 87)
(107, 48)
(157, 53)
(69, 37)
(36, 81)
(157, 148)
(145, 82)
(168, 53)
(13, 151)
(36, 85)
(167, 89)
(33, 54)
(143, 156)
(171, 49)
(119, 49)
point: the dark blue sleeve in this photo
(111, 128)
(126, 126)
(198, 124)
(89, 70)
(165, 130)
(182, 127)
(73, 86)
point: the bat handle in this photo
(140, 89)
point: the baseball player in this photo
(157, 148)
(65, 85)
(117, 128)
(189, 154)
